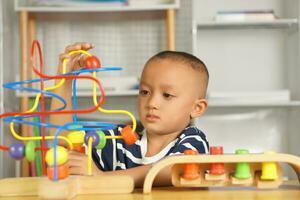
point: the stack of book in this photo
(245, 15)
(148, 2)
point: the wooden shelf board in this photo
(99, 8)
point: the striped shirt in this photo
(117, 155)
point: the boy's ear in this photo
(200, 107)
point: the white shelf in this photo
(88, 93)
(279, 23)
(254, 104)
(110, 93)
(211, 102)
(92, 7)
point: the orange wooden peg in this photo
(191, 171)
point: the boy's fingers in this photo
(74, 163)
(76, 155)
(81, 60)
(63, 56)
(79, 46)
(76, 171)
(73, 62)
(72, 47)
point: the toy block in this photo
(255, 162)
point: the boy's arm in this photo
(77, 163)
(139, 173)
(65, 90)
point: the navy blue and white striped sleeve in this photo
(191, 138)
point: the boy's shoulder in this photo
(191, 138)
(191, 131)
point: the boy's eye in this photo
(144, 92)
(167, 95)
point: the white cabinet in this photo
(249, 60)
(254, 95)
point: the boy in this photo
(172, 93)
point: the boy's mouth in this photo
(151, 117)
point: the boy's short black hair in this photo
(186, 58)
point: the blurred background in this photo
(251, 49)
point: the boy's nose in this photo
(153, 102)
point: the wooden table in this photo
(287, 191)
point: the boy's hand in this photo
(78, 164)
(74, 61)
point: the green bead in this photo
(30, 151)
(242, 170)
(102, 140)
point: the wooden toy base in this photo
(67, 188)
(227, 179)
(207, 180)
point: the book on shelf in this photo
(148, 2)
(80, 2)
(245, 15)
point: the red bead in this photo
(92, 62)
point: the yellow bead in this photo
(61, 156)
(76, 137)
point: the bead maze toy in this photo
(88, 133)
(223, 170)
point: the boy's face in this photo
(168, 92)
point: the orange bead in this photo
(79, 148)
(190, 171)
(128, 135)
(62, 172)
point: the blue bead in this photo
(95, 137)
(16, 150)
